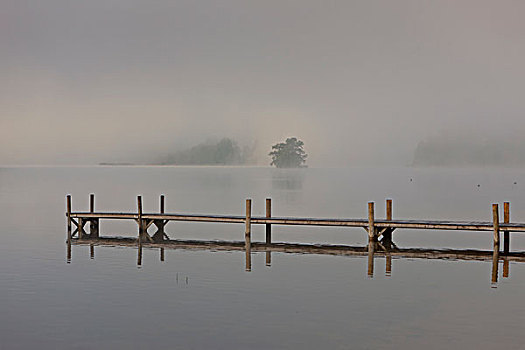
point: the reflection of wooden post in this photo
(268, 258)
(68, 253)
(388, 269)
(161, 254)
(495, 258)
(495, 220)
(91, 251)
(371, 248)
(248, 258)
(139, 253)
(506, 234)
(268, 226)
(68, 207)
(505, 267)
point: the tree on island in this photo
(288, 154)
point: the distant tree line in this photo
(224, 152)
(468, 151)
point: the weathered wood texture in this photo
(268, 215)
(506, 233)
(238, 219)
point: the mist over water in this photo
(359, 82)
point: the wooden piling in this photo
(92, 203)
(268, 226)
(248, 235)
(93, 223)
(159, 235)
(91, 251)
(506, 234)
(387, 235)
(68, 208)
(371, 228)
(248, 220)
(161, 254)
(80, 228)
(139, 212)
(495, 222)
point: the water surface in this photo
(202, 299)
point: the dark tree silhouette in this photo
(288, 154)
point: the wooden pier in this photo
(379, 231)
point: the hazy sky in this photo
(359, 82)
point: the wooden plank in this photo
(408, 224)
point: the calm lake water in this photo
(202, 299)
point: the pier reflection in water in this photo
(370, 252)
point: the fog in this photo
(360, 82)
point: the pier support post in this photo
(93, 223)
(495, 253)
(68, 208)
(387, 235)
(159, 235)
(80, 228)
(248, 235)
(139, 214)
(495, 220)
(248, 221)
(506, 234)
(371, 228)
(371, 239)
(268, 226)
